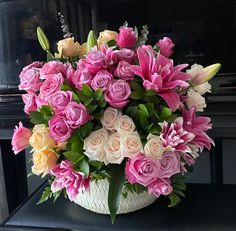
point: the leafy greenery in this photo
(116, 184)
(178, 188)
(132, 188)
(47, 194)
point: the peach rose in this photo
(105, 36)
(40, 138)
(153, 148)
(109, 118)
(125, 125)
(43, 161)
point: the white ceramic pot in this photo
(96, 199)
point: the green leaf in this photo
(91, 40)
(97, 94)
(37, 118)
(141, 116)
(150, 108)
(137, 90)
(143, 108)
(73, 156)
(155, 129)
(85, 130)
(47, 193)
(95, 163)
(135, 95)
(115, 189)
(43, 40)
(165, 112)
(91, 108)
(149, 93)
(86, 90)
(75, 97)
(46, 110)
(98, 115)
(83, 166)
(111, 43)
(77, 146)
(102, 102)
(50, 56)
(65, 87)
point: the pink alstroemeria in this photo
(198, 125)
(174, 137)
(68, 178)
(159, 74)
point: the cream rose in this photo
(106, 36)
(68, 48)
(109, 118)
(131, 144)
(195, 100)
(43, 161)
(94, 145)
(125, 125)
(40, 138)
(113, 150)
(153, 147)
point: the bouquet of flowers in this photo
(114, 109)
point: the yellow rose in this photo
(69, 48)
(43, 161)
(106, 36)
(40, 138)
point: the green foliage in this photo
(132, 188)
(111, 43)
(85, 130)
(73, 156)
(37, 118)
(47, 194)
(115, 188)
(43, 40)
(137, 92)
(91, 40)
(178, 188)
(82, 166)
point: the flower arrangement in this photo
(114, 108)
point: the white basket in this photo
(96, 199)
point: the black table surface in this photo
(205, 207)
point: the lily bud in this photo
(43, 40)
(91, 40)
(203, 74)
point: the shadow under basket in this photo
(96, 200)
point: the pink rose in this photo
(30, 80)
(124, 55)
(30, 103)
(60, 99)
(166, 46)
(170, 164)
(141, 169)
(53, 68)
(69, 74)
(59, 130)
(20, 138)
(51, 85)
(81, 77)
(126, 38)
(102, 80)
(35, 65)
(160, 187)
(40, 102)
(123, 71)
(76, 114)
(118, 93)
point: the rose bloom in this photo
(114, 154)
(40, 138)
(118, 94)
(123, 71)
(76, 114)
(166, 46)
(94, 145)
(80, 77)
(126, 37)
(20, 138)
(131, 144)
(125, 125)
(40, 101)
(35, 65)
(170, 164)
(68, 48)
(153, 148)
(109, 118)
(30, 80)
(160, 187)
(141, 169)
(195, 100)
(30, 103)
(105, 36)
(124, 54)
(53, 68)
(60, 99)
(43, 161)
(51, 85)
(59, 130)
(102, 80)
